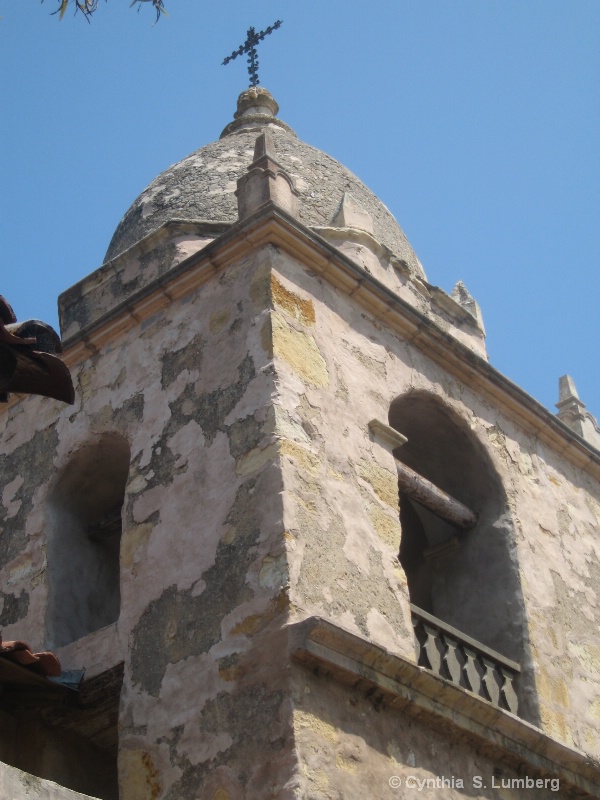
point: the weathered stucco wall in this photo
(338, 368)
(256, 495)
(202, 549)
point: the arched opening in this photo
(84, 540)
(465, 575)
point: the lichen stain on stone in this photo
(13, 608)
(34, 460)
(261, 708)
(322, 567)
(179, 624)
(300, 351)
(188, 357)
(294, 305)
(229, 667)
(121, 420)
(213, 407)
(244, 435)
(139, 777)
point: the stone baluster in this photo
(470, 671)
(508, 692)
(451, 658)
(431, 648)
(490, 682)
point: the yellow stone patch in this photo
(132, 539)
(266, 336)
(553, 689)
(220, 794)
(384, 483)
(255, 459)
(256, 622)
(387, 527)
(300, 351)
(555, 724)
(219, 320)
(307, 460)
(304, 719)
(346, 764)
(293, 304)
(139, 777)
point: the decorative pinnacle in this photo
(249, 46)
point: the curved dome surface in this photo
(201, 187)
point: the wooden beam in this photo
(435, 499)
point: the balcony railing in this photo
(464, 661)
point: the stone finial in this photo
(256, 100)
(351, 214)
(464, 298)
(265, 182)
(256, 109)
(571, 411)
(567, 390)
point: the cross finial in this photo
(249, 46)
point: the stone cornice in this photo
(415, 691)
(273, 226)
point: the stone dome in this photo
(201, 187)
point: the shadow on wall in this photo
(84, 537)
(468, 579)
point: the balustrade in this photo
(464, 661)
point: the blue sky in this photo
(477, 122)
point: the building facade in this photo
(303, 539)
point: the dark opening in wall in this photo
(84, 537)
(466, 578)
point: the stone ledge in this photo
(321, 645)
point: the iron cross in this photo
(249, 46)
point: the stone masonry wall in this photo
(337, 368)
(202, 556)
(354, 746)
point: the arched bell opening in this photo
(84, 538)
(457, 547)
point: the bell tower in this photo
(316, 544)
